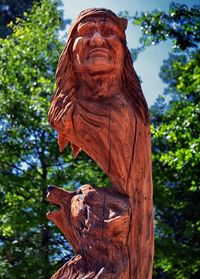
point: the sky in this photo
(149, 62)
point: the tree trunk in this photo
(99, 108)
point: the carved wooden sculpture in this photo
(99, 107)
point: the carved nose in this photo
(97, 40)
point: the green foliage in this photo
(176, 144)
(176, 160)
(10, 10)
(181, 24)
(28, 59)
(30, 246)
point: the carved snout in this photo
(58, 196)
(61, 217)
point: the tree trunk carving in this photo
(96, 222)
(99, 107)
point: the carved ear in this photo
(62, 141)
(124, 22)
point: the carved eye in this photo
(77, 205)
(86, 29)
(108, 32)
(78, 192)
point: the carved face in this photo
(85, 213)
(98, 46)
(94, 210)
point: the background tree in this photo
(9, 11)
(30, 247)
(28, 59)
(176, 144)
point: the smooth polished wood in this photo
(99, 107)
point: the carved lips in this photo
(99, 52)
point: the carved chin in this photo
(100, 62)
(97, 65)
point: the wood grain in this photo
(99, 107)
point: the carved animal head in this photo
(90, 214)
(116, 135)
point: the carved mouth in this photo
(52, 214)
(99, 52)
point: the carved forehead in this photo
(103, 22)
(100, 18)
(95, 195)
(98, 15)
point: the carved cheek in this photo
(78, 50)
(117, 48)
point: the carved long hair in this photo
(66, 85)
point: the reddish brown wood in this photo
(96, 222)
(99, 107)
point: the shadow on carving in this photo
(99, 107)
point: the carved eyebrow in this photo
(113, 27)
(105, 24)
(85, 25)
